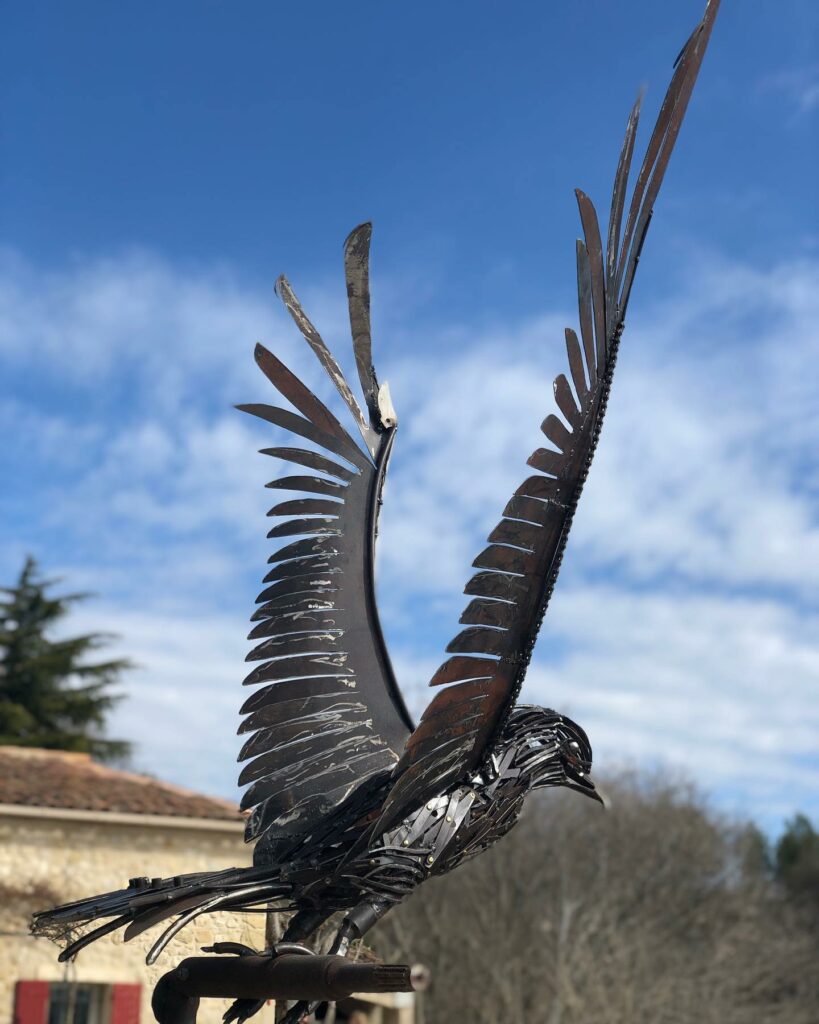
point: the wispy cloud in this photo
(799, 86)
(684, 627)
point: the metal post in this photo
(289, 977)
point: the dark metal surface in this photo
(320, 602)
(284, 977)
(351, 808)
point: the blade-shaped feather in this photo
(576, 365)
(295, 603)
(311, 643)
(301, 696)
(309, 484)
(529, 510)
(292, 621)
(690, 62)
(281, 627)
(485, 612)
(515, 532)
(296, 424)
(565, 401)
(357, 273)
(311, 565)
(479, 640)
(303, 548)
(497, 584)
(325, 357)
(545, 488)
(308, 507)
(289, 385)
(272, 713)
(461, 668)
(297, 730)
(312, 460)
(594, 248)
(556, 432)
(329, 579)
(505, 559)
(547, 461)
(584, 310)
(318, 526)
(618, 199)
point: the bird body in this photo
(351, 805)
(538, 748)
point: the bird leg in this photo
(354, 926)
(301, 926)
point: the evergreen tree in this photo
(797, 860)
(51, 695)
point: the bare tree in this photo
(657, 911)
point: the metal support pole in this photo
(289, 977)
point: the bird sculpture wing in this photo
(517, 571)
(328, 715)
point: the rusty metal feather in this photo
(565, 401)
(485, 612)
(618, 199)
(584, 309)
(458, 669)
(594, 248)
(575, 358)
(516, 533)
(357, 273)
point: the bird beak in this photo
(589, 789)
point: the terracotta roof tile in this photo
(57, 778)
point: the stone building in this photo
(70, 827)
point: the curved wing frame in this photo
(518, 570)
(328, 715)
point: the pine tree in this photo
(51, 695)
(797, 859)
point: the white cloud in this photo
(702, 467)
(726, 686)
(685, 625)
(799, 85)
(137, 333)
(183, 694)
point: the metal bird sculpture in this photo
(352, 806)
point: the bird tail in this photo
(149, 901)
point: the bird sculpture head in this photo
(550, 750)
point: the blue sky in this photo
(163, 163)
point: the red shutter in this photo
(31, 1002)
(125, 1000)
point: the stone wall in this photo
(48, 855)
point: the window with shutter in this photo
(125, 1000)
(60, 1002)
(77, 1003)
(31, 1002)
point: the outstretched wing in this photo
(327, 714)
(517, 571)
